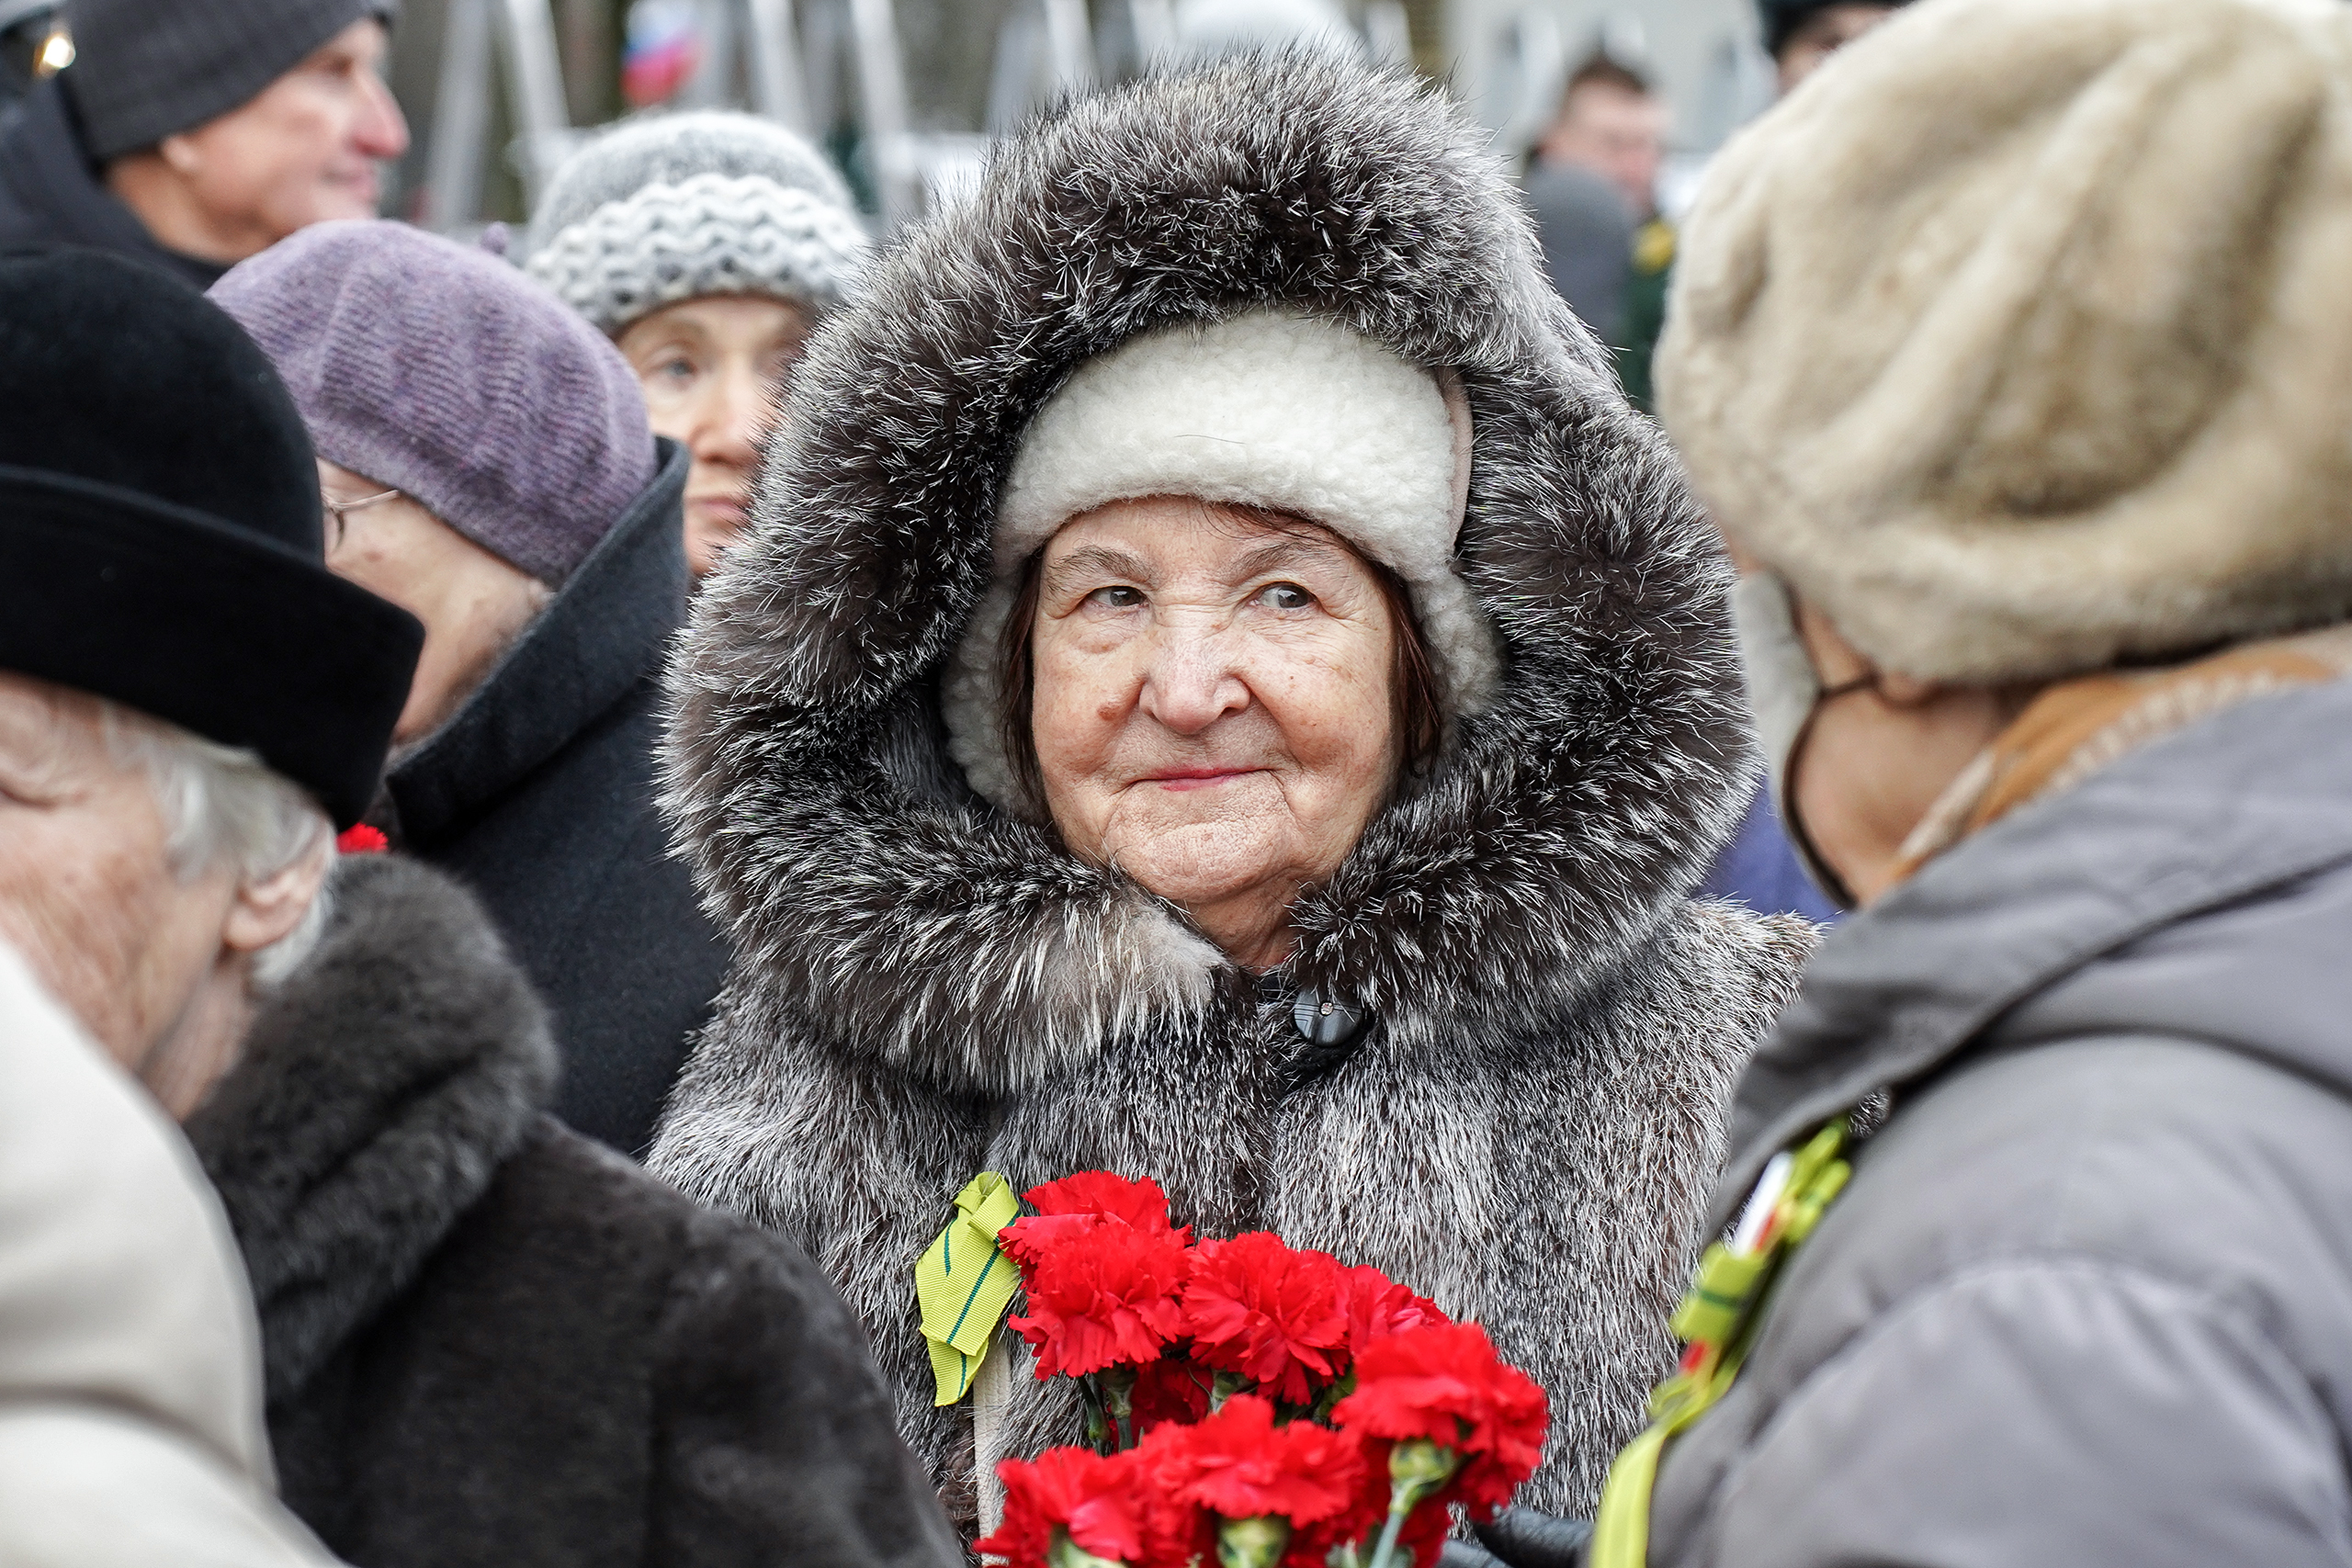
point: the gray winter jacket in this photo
(2088, 1297)
(927, 988)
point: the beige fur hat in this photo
(2019, 339)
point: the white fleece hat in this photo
(1268, 409)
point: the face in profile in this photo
(710, 368)
(304, 151)
(1214, 704)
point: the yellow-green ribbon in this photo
(964, 1283)
(1718, 1321)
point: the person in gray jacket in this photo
(2050, 552)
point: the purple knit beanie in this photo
(446, 374)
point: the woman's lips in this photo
(1197, 778)
(720, 508)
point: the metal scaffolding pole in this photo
(882, 83)
(535, 88)
(1070, 43)
(779, 85)
(460, 117)
(1154, 24)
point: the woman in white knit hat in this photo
(708, 246)
(1223, 689)
(2014, 352)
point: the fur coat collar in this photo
(381, 1086)
(926, 987)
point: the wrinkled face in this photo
(473, 603)
(710, 368)
(1212, 707)
(304, 150)
(1619, 135)
(1823, 33)
(87, 891)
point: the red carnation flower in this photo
(1268, 1311)
(1103, 1504)
(1377, 1306)
(1170, 1390)
(1237, 1464)
(1139, 1203)
(1443, 1384)
(362, 839)
(1099, 1296)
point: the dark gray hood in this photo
(2173, 892)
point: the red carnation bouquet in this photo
(1250, 1403)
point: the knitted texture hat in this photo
(147, 69)
(2057, 374)
(683, 205)
(443, 372)
(1268, 409)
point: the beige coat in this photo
(130, 1425)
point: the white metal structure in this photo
(791, 55)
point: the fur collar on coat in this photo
(382, 1088)
(926, 987)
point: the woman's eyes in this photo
(1274, 596)
(677, 371)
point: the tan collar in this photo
(2076, 728)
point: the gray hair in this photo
(224, 808)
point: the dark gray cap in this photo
(147, 69)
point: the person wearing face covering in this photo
(2039, 1224)
(1245, 708)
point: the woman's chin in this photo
(1199, 864)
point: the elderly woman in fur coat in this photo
(1223, 689)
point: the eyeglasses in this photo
(339, 509)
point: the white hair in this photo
(224, 808)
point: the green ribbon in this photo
(1718, 1321)
(964, 1283)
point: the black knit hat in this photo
(1784, 17)
(160, 540)
(147, 69)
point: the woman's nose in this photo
(738, 419)
(382, 130)
(1194, 680)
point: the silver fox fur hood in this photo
(926, 988)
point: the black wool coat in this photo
(50, 194)
(539, 795)
(490, 1341)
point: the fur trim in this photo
(1267, 408)
(381, 1088)
(1975, 385)
(926, 987)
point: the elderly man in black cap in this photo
(195, 133)
(485, 1339)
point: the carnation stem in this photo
(1415, 1470)
(1119, 1402)
(1399, 1508)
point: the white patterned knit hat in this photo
(683, 205)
